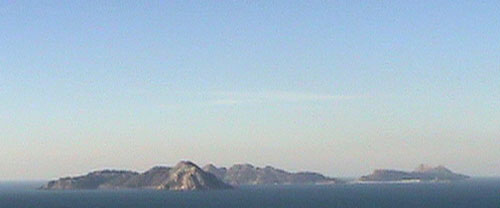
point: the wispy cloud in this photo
(225, 102)
(233, 98)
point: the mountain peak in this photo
(423, 168)
(430, 169)
(186, 163)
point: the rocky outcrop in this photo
(217, 172)
(184, 176)
(246, 174)
(421, 173)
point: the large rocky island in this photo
(184, 176)
(246, 174)
(422, 173)
(187, 176)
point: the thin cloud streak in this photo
(225, 102)
(234, 98)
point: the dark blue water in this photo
(475, 193)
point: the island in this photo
(422, 173)
(247, 174)
(183, 176)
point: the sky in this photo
(337, 87)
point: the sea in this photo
(472, 193)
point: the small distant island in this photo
(422, 173)
(187, 176)
(246, 174)
(184, 176)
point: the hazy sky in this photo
(339, 87)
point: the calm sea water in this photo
(474, 193)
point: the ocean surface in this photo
(473, 193)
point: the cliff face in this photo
(183, 176)
(246, 174)
(421, 173)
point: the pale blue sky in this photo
(339, 87)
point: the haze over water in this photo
(484, 193)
